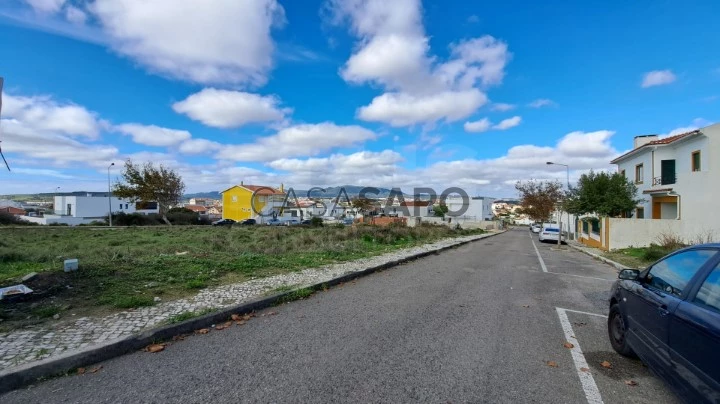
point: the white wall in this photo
(94, 206)
(626, 233)
(477, 207)
(49, 219)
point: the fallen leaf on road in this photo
(568, 345)
(153, 348)
(247, 317)
(235, 317)
(272, 313)
(202, 331)
(631, 382)
(584, 369)
(223, 326)
(240, 322)
(178, 337)
(580, 324)
(95, 369)
(526, 305)
(552, 364)
(606, 364)
(81, 371)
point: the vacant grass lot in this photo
(126, 268)
(639, 257)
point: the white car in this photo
(535, 228)
(550, 232)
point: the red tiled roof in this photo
(13, 211)
(415, 203)
(196, 208)
(658, 142)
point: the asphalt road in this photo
(474, 324)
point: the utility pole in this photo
(567, 168)
(109, 197)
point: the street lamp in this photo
(567, 168)
(109, 197)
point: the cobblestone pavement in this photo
(27, 345)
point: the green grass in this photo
(638, 257)
(187, 315)
(295, 295)
(126, 268)
(46, 311)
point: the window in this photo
(672, 274)
(709, 293)
(639, 174)
(126, 206)
(234, 198)
(595, 226)
(639, 213)
(622, 172)
(121, 206)
(695, 159)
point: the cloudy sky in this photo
(396, 93)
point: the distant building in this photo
(239, 203)
(74, 210)
(479, 208)
(13, 211)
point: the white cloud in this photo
(199, 146)
(75, 15)
(230, 109)
(592, 144)
(402, 109)
(213, 41)
(46, 6)
(473, 19)
(298, 140)
(508, 123)
(393, 51)
(43, 114)
(657, 78)
(697, 123)
(478, 126)
(542, 102)
(151, 135)
(41, 172)
(502, 107)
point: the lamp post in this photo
(567, 168)
(57, 190)
(109, 197)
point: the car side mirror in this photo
(629, 274)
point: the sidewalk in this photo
(32, 344)
(595, 253)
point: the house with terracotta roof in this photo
(677, 179)
(13, 211)
(201, 210)
(259, 202)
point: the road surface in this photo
(482, 323)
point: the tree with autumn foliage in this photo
(539, 199)
(152, 184)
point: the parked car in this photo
(550, 232)
(348, 221)
(535, 227)
(274, 222)
(306, 222)
(669, 316)
(248, 222)
(291, 222)
(223, 222)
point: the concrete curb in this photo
(28, 373)
(610, 262)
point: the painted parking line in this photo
(542, 263)
(582, 276)
(592, 394)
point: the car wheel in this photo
(617, 331)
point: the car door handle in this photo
(663, 310)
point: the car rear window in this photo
(551, 230)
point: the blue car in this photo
(668, 315)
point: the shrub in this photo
(316, 222)
(654, 252)
(6, 218)
(670, 241)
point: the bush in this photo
(655, 252)
(6, 218)
(316, 222)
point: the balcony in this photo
(664, 179)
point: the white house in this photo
(479, 208)
(677, 179)
(74, 210)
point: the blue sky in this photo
(366, 92)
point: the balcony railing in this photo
(664, 179)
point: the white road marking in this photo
(588, 382)
(582, 276)
(584, 312)
(542, 263)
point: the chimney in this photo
(241, 183)
(644, 139)
(282, 188)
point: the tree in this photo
(602, 194)
(148, 183)
(363, 204)
(440, 210)
(538, 199)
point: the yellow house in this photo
(239, 204)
